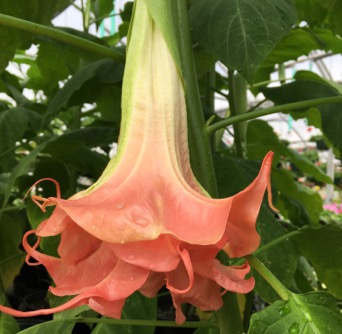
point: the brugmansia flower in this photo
(147, 222)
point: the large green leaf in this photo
(311, 11)
(8, 325)
(241, 33)
(54, 63)
(13, 125)
(233, 175)
(297, 196)
(39, 11)
(86, 83)
(327, 258)
(300, 42)
(11, 257)
(136, 307)
(281, 258)
(53, 326)
(301, 90)
(312, 313)
(261, 138)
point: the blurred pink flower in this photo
(333, 207)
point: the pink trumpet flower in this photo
(147, 222)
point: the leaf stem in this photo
(273, 281)
(279, 108)
(274, 242)
(152, 323)
(60, 36)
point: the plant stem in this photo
(274, 242)
(12, 208)
(200, 151)
(273, 281)
(228, 316)
(61, 36)
(233, 112)
(152, 323)
(279, 108)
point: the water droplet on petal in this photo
(284, 310)
(119, 206)
(140, 221)
(294, 328)
(93, 227)
(131, 257)
(131, 278)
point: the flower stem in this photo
(152, 323)
(273, 281)
(61, 36)
(279, 108)
(200, 151)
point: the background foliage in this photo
(60, 114)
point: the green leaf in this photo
(300, 42)
(55, 63)
(241, 33)
(302, 90)
(311, 11)
(136, 307)
(281, 258)
(307, 200)
(327, 258)
(102, 8)
(261, 139)
(22, 168)
(39, 11)
(13, 125)
(8, 325)
(311, 313)
(86, 84)
(54, 326)
(11, 256)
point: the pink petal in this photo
(111, 309)
(241, 233)
(204, 294)
(232, 278)
(76, 244)
(181, 280)
(159, 255)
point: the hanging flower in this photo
(147, 222)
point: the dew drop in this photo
(284, 310)
(119, 206)
(131, 278)
(294, 328)
(93, 227)
(131, 257)
(140, 221)
(308, 316)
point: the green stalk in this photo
(200, 151)
(87, 14)
(61, 36)
(273, 281)
(234, 113)
(279, 108)
(150, 323)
